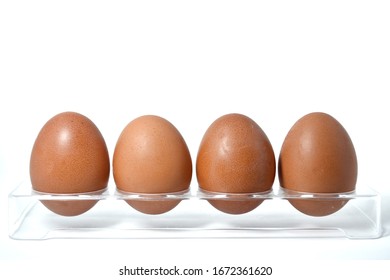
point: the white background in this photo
(191, 62)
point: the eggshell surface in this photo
(235, 156)
(318, 156)
(69, 156)
(318, 207)
(151, 157)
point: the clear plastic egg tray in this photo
(193, 217)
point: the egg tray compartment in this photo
(194, 217)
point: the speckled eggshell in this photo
(235, 157)
(69, 156)
(318, 156)
(151, 157)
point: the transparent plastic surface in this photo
(194, 216)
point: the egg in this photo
(318, 157)
(69, 156)
(235, 157)
(152, 157)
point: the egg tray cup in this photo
(194, 216)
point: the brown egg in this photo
(318, 156)
(69, 156)
(151, 157)
(235, 157)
